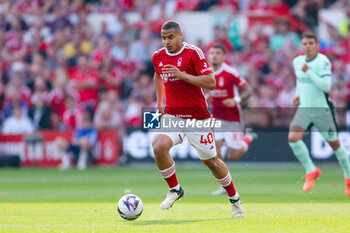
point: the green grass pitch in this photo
(46, 200)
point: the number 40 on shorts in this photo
(209, 139)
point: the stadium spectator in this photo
(2, 94)
(84, 79)
(18, 123)
(257, 5)
(282, 35)
(187, 5)
(55, 98)
(13, 98)
(109, 77)
(220, 37)
(81, 147)
(72, 115)
(225, 5)
(205, 5)
(106, 117)
(61, 19)
(40, 112)
(128, 32)
(306, 12)
(142, 49)
(117, 51)
(278, 7)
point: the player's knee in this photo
(335, 145)
(61, 143)
(234, 155)
(293, 137)
(160, 145)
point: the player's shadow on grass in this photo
(172, 221)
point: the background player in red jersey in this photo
(226, 103)
(181, 71)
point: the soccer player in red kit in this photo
(181, 73)
(226, 104)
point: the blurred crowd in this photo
(55, 67)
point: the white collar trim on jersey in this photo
(220, 69)
(175, 54)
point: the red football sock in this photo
(169, 176)
(227, 183)
(247, 140)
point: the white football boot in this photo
(172, 196)
(237, 208)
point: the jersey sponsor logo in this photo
(160, 64)
(166, 77)
(179, 61)
(219, 93)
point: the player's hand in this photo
(172, 70)
(305, 67)
(296, 101)
(230, 103)
(160, 108)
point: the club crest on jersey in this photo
(179, 61)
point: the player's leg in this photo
(343, 160)
(219, 144)
(207, 153)
(300, 123)
(83, 159)
(62, 146)
(301, 152)
(220, 171)
(161, 145)
(299, 148)
(238, 144)
(235, 150)
(326, 124)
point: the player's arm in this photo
(245, 93)
(323, 81)
(206, 81)
(296, 99)
(159, 87)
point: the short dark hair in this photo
(171, 24)
(219, 46)
(309, 36)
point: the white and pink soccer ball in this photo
(130, 207)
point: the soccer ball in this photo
(130, 207)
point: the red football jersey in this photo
(183, 99)
(228, 83)
(86, 95)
